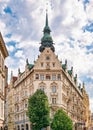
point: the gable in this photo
(47, 60)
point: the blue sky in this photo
(71, 23)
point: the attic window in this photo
(47, 58)
(42, 64)
(53, 64)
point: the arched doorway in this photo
(27, 128)
(18, 127)
(6, 128)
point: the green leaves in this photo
(38, 110)
(61, 121)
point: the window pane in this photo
(41, 64)
(54, 100)
(53, 64)
(47, 58)
(48, 77)
(54, 89)
(53, 77)
(42, 88)
(41, 77)
(59, 77)
(37, 76)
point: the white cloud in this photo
(19, 54)
(10, 48)
(89, 10)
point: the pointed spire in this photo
(46, 28)
(46, 18)
(46, 40)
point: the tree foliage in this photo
(61, 121)
(38, 110)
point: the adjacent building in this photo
(49, 74)
(3, 78)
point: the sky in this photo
(71, 24)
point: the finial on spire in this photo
(46, 7)
(27, 61)
(18, 70)
(83, 85)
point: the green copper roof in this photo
(46, 40)
(30, 66)
(70, 72)
(64, 66)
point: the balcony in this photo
(54, 106)
(54, 94)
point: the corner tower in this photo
(46, 40)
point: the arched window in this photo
(42, 88)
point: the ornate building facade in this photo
(3, 78)
(52, 76)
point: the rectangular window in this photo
(26, 105)
(53, 64)
(54, 89)
(42, 64)
(41, 77)
(26, 94)
(53, 77)
(48, 77)
(37, 76)
(59, 77)
(53, 100)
